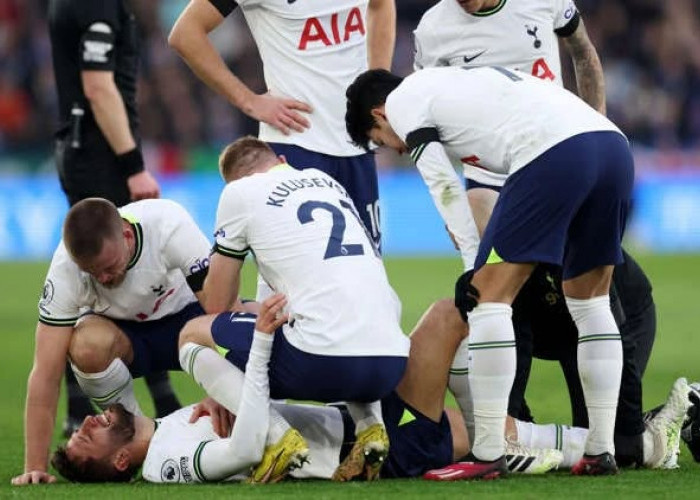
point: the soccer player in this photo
(196, 444)
(569, 180)
(311, 51)
(121, 285)
(344, 341)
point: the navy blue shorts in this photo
(155, 342)
(296, 374)
(416, 443)
(566, 207)
(357, 174)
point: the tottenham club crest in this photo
(532, 31)
(169, 471)
(46, 294)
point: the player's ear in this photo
(282, 158)
(378, 114)
(122, 459)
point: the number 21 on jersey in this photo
(335, 246)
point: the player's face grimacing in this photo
(101, 435)
(383, 135)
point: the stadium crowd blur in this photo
(648, 49)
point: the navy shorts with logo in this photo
(155, 342)
(416, 443)
(296, 374)
(357, 174)
(566, 207)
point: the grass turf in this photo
(418, 282)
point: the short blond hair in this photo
(242, 156)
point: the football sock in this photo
(492, 346)
(220, 379)
(569, 440)
(164, 399)
(114, 385)
(365, 414)
(458, 383)
(600, 368)
(79, 405)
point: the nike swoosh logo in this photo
(291, 1)
(470, 59)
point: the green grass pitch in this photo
(418, 282)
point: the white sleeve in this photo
(185, 247)
(423, 57)
(450, 199)
(60, 301)
(223, 458)
(231, 223)
(565, 12)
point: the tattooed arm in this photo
(589, 72)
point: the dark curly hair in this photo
(90, 471)
(369, 90)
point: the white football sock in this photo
(114, 385)
(569, 440)
(599, 367)
(458, 383)
(224, 382)
(365, 414)
(491, 374)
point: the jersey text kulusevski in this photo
(280, 193)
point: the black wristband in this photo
(130, 163)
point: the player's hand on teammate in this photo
(33, 477)
(280, 112)
(142, 186)
(272, 315)
(221, 419)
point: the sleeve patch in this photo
(97, 46)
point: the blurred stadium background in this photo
(652, 68)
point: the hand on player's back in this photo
(272, 315)
(221, 419)
(282, 113)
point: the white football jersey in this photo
(169, 248)
(516, 34)
(310, 245)
(177, 447)
(311, 50)
(491, 118)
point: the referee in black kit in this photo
(95, 51)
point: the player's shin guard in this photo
(219, 378)
(458, 383)
(492, 346)
(600, 368)
(114, 385)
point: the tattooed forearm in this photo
(589, 71)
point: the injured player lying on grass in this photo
(186, 446)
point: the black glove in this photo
(466, 295)
(691, 427)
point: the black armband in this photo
(225, 7)
(419, 139)
(130, 163)
(569, 28)
(196, 279)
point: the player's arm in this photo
(381, 33)
(244, 449)
(97, 60)
(446, 190)
(222, 283)
(590, 80)
(43, 388)
(190, 39)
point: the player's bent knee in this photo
(92, 344)
(197, 331)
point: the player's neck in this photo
(144, 428)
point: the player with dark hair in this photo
(569, 180)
